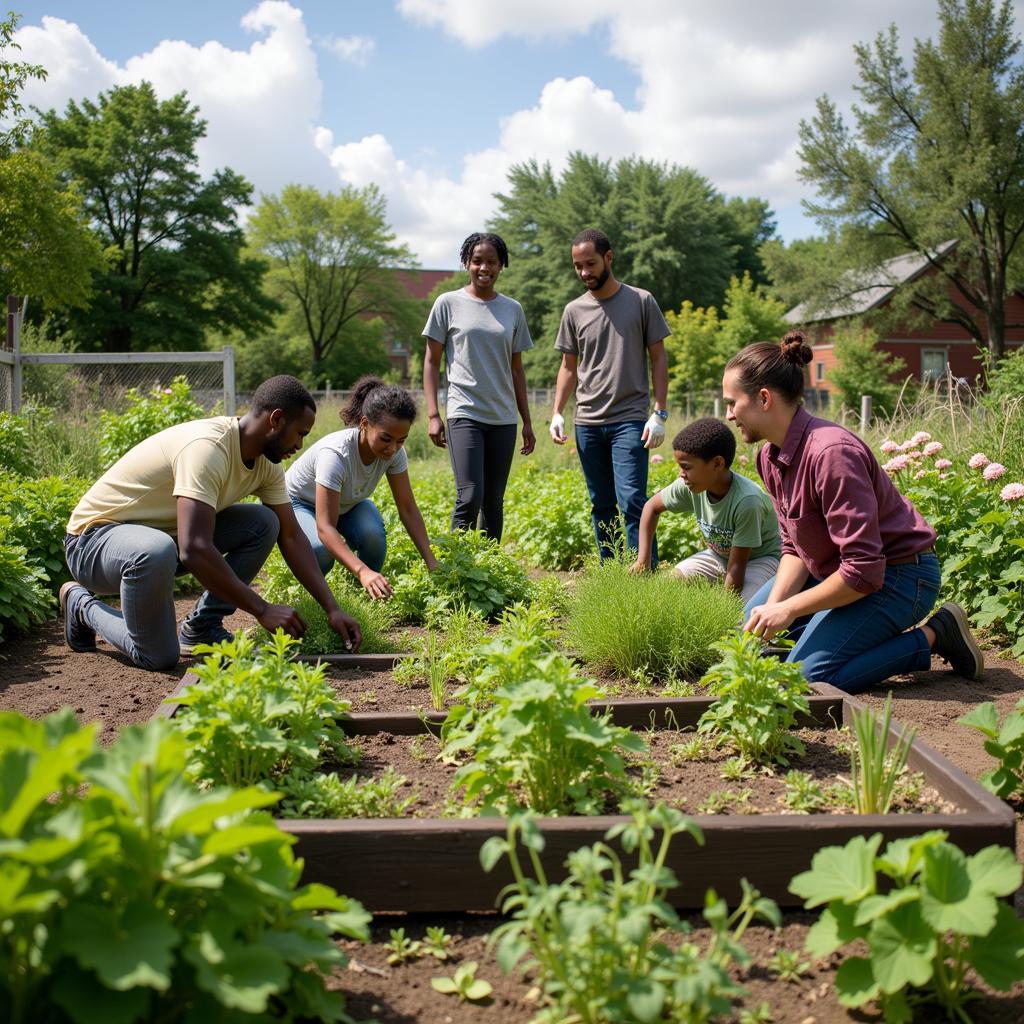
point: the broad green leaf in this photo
(983, 717)
(645, 999)
(999, 956)
(443, 985)
(876, 906)
(86, 1000)
(994, 871)
(902, 857)
(902, 949)
(855, 984)
(949, 901)
(201, 818)
(839, 873)
(833, 930)
(478, 990)
(244, 978)
(240, 837)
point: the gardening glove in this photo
(557, 428)
(654, 431)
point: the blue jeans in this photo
(866, 642)
(361, 526)
(140, 563)
(615, 462)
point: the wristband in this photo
(662, 414)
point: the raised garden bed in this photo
(432, 864)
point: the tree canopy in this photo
(936, 154)
(175, 263)
(332, 257)
(671, 231)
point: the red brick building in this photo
(418, 284)
(927, 351)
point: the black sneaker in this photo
(78, 636)
(188, 643)
(954, 642)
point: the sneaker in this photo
(188, 643)
(954, 642)
(77, 635)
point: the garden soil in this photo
(38, 674)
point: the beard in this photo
(273, 450)
(596, 284)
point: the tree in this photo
(862, 368)
(672, 234)
(332, 257)
(46, 250)
(937, 155)
(176, 267)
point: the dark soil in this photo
(39, 675)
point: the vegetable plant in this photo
(927, 913)
(330, 796)
(874, 771)
(787, 965)
(128, 894)
(595, 942)
(758, 702)
(1005, 742)
(401, 948)
(437, 943)
(464, 984)
(25, 596)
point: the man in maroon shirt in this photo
(858, 566)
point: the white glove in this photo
(557, 428)
(654, 431)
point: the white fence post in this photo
(718, 408)
(865, 413)
(229, 380)
(15, 309)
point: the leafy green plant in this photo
(758, 702)
(127, 894)
(437, 943)
(595, 942)
(874, 770)
(803, 793)
(401, 948)
(622, 623)
(1005, 742)
(25, 597)
(464, 984)
(787, 965)
(937, 916)
(16, 449)
(533, 742)
(559, 500)
(255, 715)
(689, 750)
(722, 800)
(330, 796)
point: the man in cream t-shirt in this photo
(172, 505)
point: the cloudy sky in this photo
(434, 99)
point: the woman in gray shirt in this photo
(331, 483)
(483, 335)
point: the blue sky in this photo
(433, 100)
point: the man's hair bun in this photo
(795, 349)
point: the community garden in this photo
(543, 790)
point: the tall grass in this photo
(650, 625)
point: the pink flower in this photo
(889, 446)
(993, 471)
(915, 454)
(933, 448)
(942, 463)
(920, 437)
(896, 464)
(978, 460)
(920, 473)
(657, 458)
(1012, 492)
(744, 460)
(942, 476)
(168, 391)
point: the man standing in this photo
(606, 337)
(169, 506)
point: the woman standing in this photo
(330, 485)
(483, 335)
(858, 566)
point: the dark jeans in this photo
(614, 463)
(868, 641)
(481, 455)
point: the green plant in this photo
(758, 702)
(25, 597)
(1005, 742)
(736, 768)
(595, 942)
(401, 948)
(127, 894)
(874, 772)
(722, 800)
(16, 450)
(619, 622)
(761, 1014)
(254, 715)
(330, 796)
(559, 500)
(437, 942)
(937, 916)
(787, 965)
(533, 742)
(464, 984)
(146, 415)
(690, 750)
(803, 794)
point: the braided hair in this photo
(476, 239)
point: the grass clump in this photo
(651, 624)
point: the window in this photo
(819, 372)
(933, 364)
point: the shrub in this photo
(1005, 742)
(650, 624)
(146, 415)
(547, 518)
(25, 598)
(16, 445)
(130, 895)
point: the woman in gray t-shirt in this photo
(330, 485)
(482, 335)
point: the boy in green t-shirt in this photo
(734, 514)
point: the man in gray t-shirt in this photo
(606, 337)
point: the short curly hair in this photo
(706, 438)
(283, 392)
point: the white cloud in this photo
(354, 49)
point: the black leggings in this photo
(481, 455)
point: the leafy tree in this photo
(46, 250)
(864, 369)
(176, 266)
(937, 154)
(331, 260)
(672, 234)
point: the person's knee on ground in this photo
(157, 565)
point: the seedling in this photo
(689, 750)
(761, 1014)
(788, 966)
(873, 772)
(803, 794)
(736, 768)
(437, 942)
(402, 947)
(722, 800)
(463, 984)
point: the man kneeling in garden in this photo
(169, 506)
